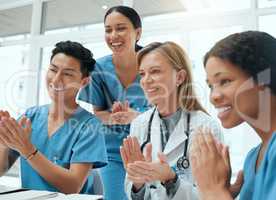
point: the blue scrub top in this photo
(261, 184)
(78, 140)
(104, 89)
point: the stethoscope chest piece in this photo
(183, 163)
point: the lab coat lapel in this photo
(155, 136)
(178, 136)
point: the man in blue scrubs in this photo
(58, 143)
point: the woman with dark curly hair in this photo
(240, 72)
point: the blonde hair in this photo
(179, 61)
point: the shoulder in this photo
(271, 150)
(202, 119)
(36, 111)
(143, 117)
(251, 157)
(104, 61)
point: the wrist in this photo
(216, 195)
(172, 177)
(28, 151)
(137, 186)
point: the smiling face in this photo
(64, 78)
(159, 79)
(233, 92)
(120, 35)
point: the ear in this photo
(138, 33)
(180, 77)
(85, 81)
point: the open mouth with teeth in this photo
(57, 89)
(116, 45)
(223, 111)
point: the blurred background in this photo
(29, 30)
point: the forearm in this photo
(65, 180)
(105, 116)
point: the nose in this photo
(57, 79)
(146, 79)
(114, 34)
(215, 96)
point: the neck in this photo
(268, 122)
(61, 111)
(127, 60)
(168, 106)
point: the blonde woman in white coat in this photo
(164, 132)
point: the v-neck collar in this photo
(62, 126)
(124, 89)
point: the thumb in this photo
(162, 157)
(28, 126)
(226, 155)
(148, 155)
(239, 180)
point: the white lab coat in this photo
(173, 150)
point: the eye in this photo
(155, 71)
(210, 86)
(53, 70)
(142, 74)
(224, 82)
(108, 30)
(68, 74)
(122, 28)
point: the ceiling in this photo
(67, 13)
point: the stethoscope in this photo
(183, 162)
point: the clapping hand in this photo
(16, 135)
(121, 113)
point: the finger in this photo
(137, 150)
(10, 128)
(148, 153)
(126, 105)
(5, 137)
(226, 155)
(239, 180)
(127, 150)
(211, 144)
(162, 157)
(146, 166)
(140, 169)
(28, 126)
(136, 179)
(16, 127)
(131, 146)
(124, 156)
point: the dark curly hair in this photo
(76, 50)
(252, 51)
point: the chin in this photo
(230, 123)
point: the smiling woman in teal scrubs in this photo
(241, 71)
(115, 92)
(58, 143)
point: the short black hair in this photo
(78, 51)
(129, 13)
(251, 51)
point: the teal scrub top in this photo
(261, 184)
(78, 140)
(105, 88)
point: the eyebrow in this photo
(215, 75)
(120, 24)
(67, 69)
